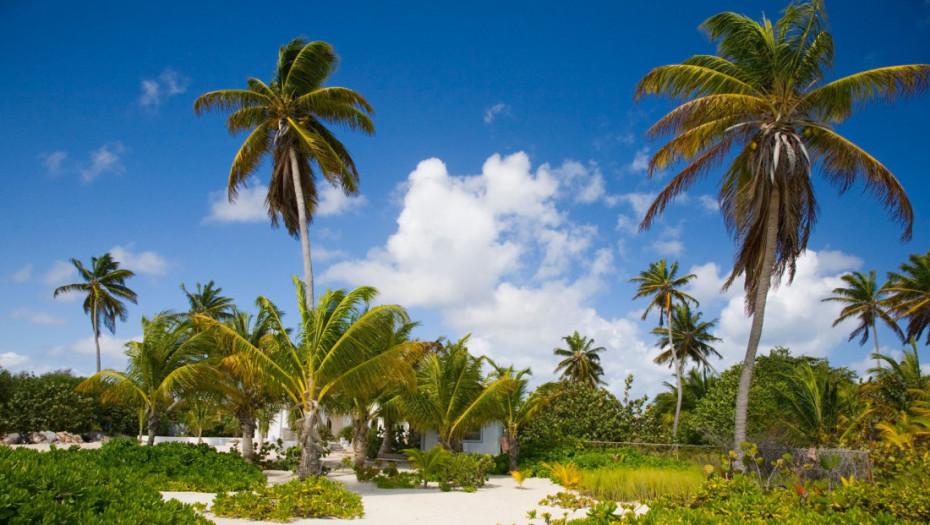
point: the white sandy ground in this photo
(500, 501)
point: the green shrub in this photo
(47, 402)
(310, 498)
(397, 480)
(62, 486)
(640, 483)
(428, 462)
(468, 471)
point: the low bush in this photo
(62, 486)
(466, 471)
(309, 498)
(397, 480)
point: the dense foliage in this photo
(312, 497)
(74, 486)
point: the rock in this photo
(46, 436)
(68, 438)
(90, 437)
(12, 439)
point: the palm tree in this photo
(452, 395)
(285, 120)
(761, 105)
(167, 362)
(691, 338)
(867, 301)
(333, 354)
(900, 383)
(581, 365)
(208, 301)
(696, 384)
(516, 407)
(822, 408)
(911, 295)
(105, 284)
(661, 283)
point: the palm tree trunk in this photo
(310, 447)
(878, 362)
(388, 440)
(671, 344)
(755, 333)
(154, 418)
(513, 449)
(304, 235)
(248, 429)
(96, 323)
(359, 442)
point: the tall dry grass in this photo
(640, 483)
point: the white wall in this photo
(490, 442)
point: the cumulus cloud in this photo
(497, 258)
(59, 274)
(53, 161)
(795, 317)
(112, 350)
(334, 201)
(672, 247)
(168, 84)
(492, 112)
(40, 318)
(104, 160)
(143, 262)
(23, 274)
(585, 184)
(249, 206)
(640, 203)
(709, 202)
(14, 362)
(640, 161)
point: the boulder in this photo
(90, 437)
(46, 436)
(68, 438)
(12, 439)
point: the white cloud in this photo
(640, 161)
(640, 202)
(492, 112)
(709, 202)
(53, 161)
(23, 274)
(14, 362)
(334, 201)
(155, 91)
(672, 247)
(104, 160)
(40, 318)
(321, 253)
(144, 262)
(584, 184)
(112, 350)
(59, 273)
(498, 259)
(249, 206)
(627, 224)
(795, 317)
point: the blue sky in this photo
(499, 196)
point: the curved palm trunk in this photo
(359, 441)
(304, 236)
(513, 448)
(878, 362)
(755, 334)
(388, 440)
(310, 447)
(671, 344)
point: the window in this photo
(473, 435)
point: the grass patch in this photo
(641, 483)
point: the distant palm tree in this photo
(761, 107)
(661, 283)
(691, 336)
(208, 301)
(910, 298)
(105, 284)
(868, 302)
(696, 384)
(516, 407)
(165, 363)
(286, 122)
(581, 365)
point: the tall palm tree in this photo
(286, 121)
(911, 294)
(762, 107)
(165, 363)
(868, 302)
(661, 283)
(691, 337)
(105, 284)
(334, 353)
(452, 395)
(581, 364)
(208, 301)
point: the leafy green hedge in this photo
(66, 486)
(310, 498)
